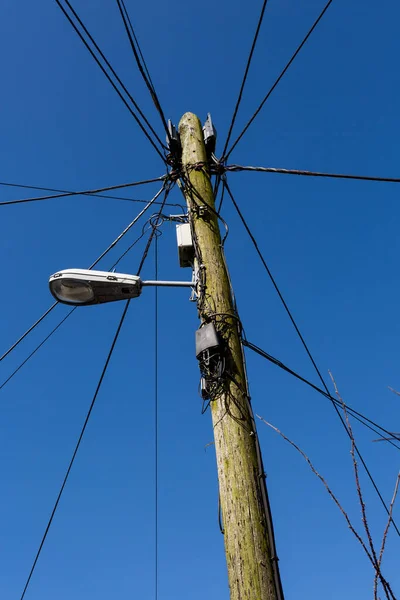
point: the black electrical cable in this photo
(246, 72)
(221, 201)
(128, 249)
(220, 524)
(270, 525)
(109, 66)
(48, 336)
(153, 236)
(138, 45)
(375, 427)
(75, 450)
(156, 417)
(306, 348)
(48, 311)
(153, 233)
(262, 478)
(64, 318)
(135, 220)
(187, 185)
(86, 421)
(279, 78)
(142, 127)
(31, 328)
(132, 37)
(83, 193)
(238, 168)
(47, 189)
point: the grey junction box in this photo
(185, 245)
(206, 339)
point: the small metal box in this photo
(206, 339)
(185, 245)
(210, 135)
(173, 139)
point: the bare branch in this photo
(393, 390)
(385, 533)
(386, 587)
(378, 574)
(356, 473)
(328, 489)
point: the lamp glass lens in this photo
(72, 291)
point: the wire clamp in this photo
(202, 210)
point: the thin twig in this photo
(394, 391)
(385, 534)
(378, 574)
(328, 489)
(356, 473)
(387, 589)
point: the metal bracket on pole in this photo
(195, 279)
(168, 283)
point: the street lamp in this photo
(83, 287)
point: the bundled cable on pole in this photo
(225, 183)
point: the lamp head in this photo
(82, 287)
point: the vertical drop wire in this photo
(156, 411)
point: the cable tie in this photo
(274, 559)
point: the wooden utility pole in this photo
(248, 534)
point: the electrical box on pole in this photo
(185, 245)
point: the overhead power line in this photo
(155, 223)
(132, 223)
(279, 78)
(28, 331)
(47, 189)
(156, 418)
(82, 193)
(66, 476)
(354, 413)
(238, 168)
(139, 58)
(104, 70)
(102, 255)
(246, 72)
(305, 346)
(53, 331)
(137, 45)
(128, 249)
(139, 269)
(48, 336)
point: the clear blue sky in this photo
(332, 245)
